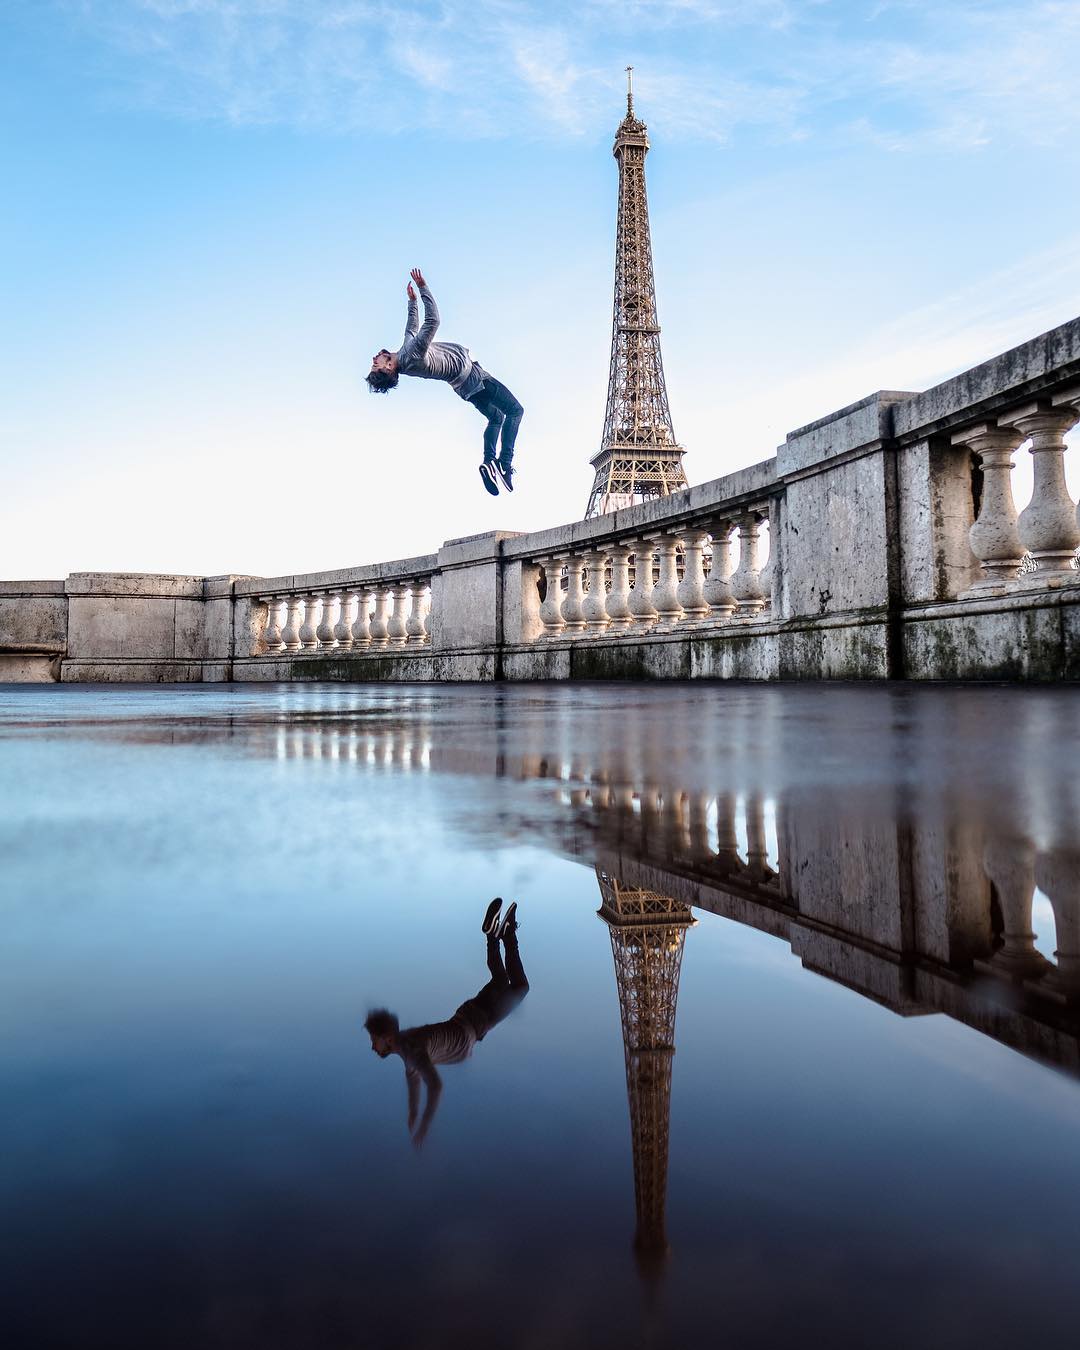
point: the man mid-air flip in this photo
(420, 356)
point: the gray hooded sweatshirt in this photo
(429, 360)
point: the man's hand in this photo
(410, 292)
(418, 277)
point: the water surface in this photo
(811, 1073)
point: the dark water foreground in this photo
(811, 1077)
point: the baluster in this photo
(309, 637)
(727, 838)
(594, 606)
(425, 612)
(665, 596)
(717, 588)
(551, 607)
(378, 628)
(1009, 863)
(757, 850)
(1048, 526)
(361, 633)
(746, 581)
(691, 592)
(618, 600)
(290, 634)
(396, 629)
(698, 825)
(272, 632)
(414, 624)
(768, 572)
(641, 605)
(573, 618)
(325, 630)
(994, 538)
(1057, 874)
(343, 633)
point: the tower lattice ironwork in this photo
(639, 457)
(648, 931)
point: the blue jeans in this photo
(503, 413)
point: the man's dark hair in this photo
(382, 381)
(381, 1022)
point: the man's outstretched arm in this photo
(433, 1083)
(430, 325)
(412, 323)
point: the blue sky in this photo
(211, 206)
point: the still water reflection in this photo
(854, 912)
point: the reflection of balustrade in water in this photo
(957, 938)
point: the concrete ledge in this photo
(28, 668)
(145, 585)
(859, 424)
(423, 565)
(130, 670)
(1046, 362)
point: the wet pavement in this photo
(785, 1048)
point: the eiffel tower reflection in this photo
(648, 932)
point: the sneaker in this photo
(509, 925)
(487, 475)
(506, 474)
(490, 926)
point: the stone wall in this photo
(879, 542)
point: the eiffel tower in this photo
(648, 931)
(639, 457)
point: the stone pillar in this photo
(378, 627)
(1009, 863)
(665, 597)
(770, 573)
(746, 583)
(717, 590)
(551, 608)
(272, 632)
(290, 634)
(1047, 526)
(594, 606)
(994, 538)
(309, 635)
(572, 614)
(618, 600)
(361, 633)
(414, 624)
(425, 613)
(641, 605)
(343, 629)
(325, 630)
(396, 628)
(691, 592)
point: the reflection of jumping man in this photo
(452, 1041)
(418, 355)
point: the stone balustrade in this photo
(706, 572)
(1038, 547)
(331, 615)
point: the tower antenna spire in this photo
(629, 91)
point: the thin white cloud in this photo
(906, 75)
